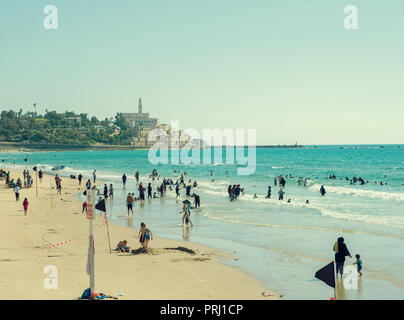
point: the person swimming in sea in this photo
(322, 190)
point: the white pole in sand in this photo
(36, 182)
(91, 200)
(51, 191)
(106, 222)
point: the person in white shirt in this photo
(17, 193)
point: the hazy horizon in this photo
(287, 68)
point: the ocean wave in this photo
(361, 193)
(237, 220)
(390, 221)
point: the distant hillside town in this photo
(140, 125)
(125, 129)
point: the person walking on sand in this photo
(57, 180)
(80, 177)
(145, 236)
(59, 191)
(25, 205)
(17, 193)
(94, 175)
(341, 251)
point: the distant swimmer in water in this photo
(289, 201)
(322, 190)
(281, 193)
(255, 196)
(307, 202)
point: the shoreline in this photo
(53, 219)
(11, 147)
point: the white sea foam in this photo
(390, 221)
(361, 192)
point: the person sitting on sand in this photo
(122, 246)
(145, 236)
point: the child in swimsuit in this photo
(145, 236)
(358, 263)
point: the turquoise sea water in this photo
(281, 243)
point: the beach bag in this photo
(86, 294)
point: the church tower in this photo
(140, 105)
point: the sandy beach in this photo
(29, 244)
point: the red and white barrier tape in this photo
(59, 244)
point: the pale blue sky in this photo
(287, 68)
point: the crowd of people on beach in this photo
(167, 184)
(18, 185)
(28, 181)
